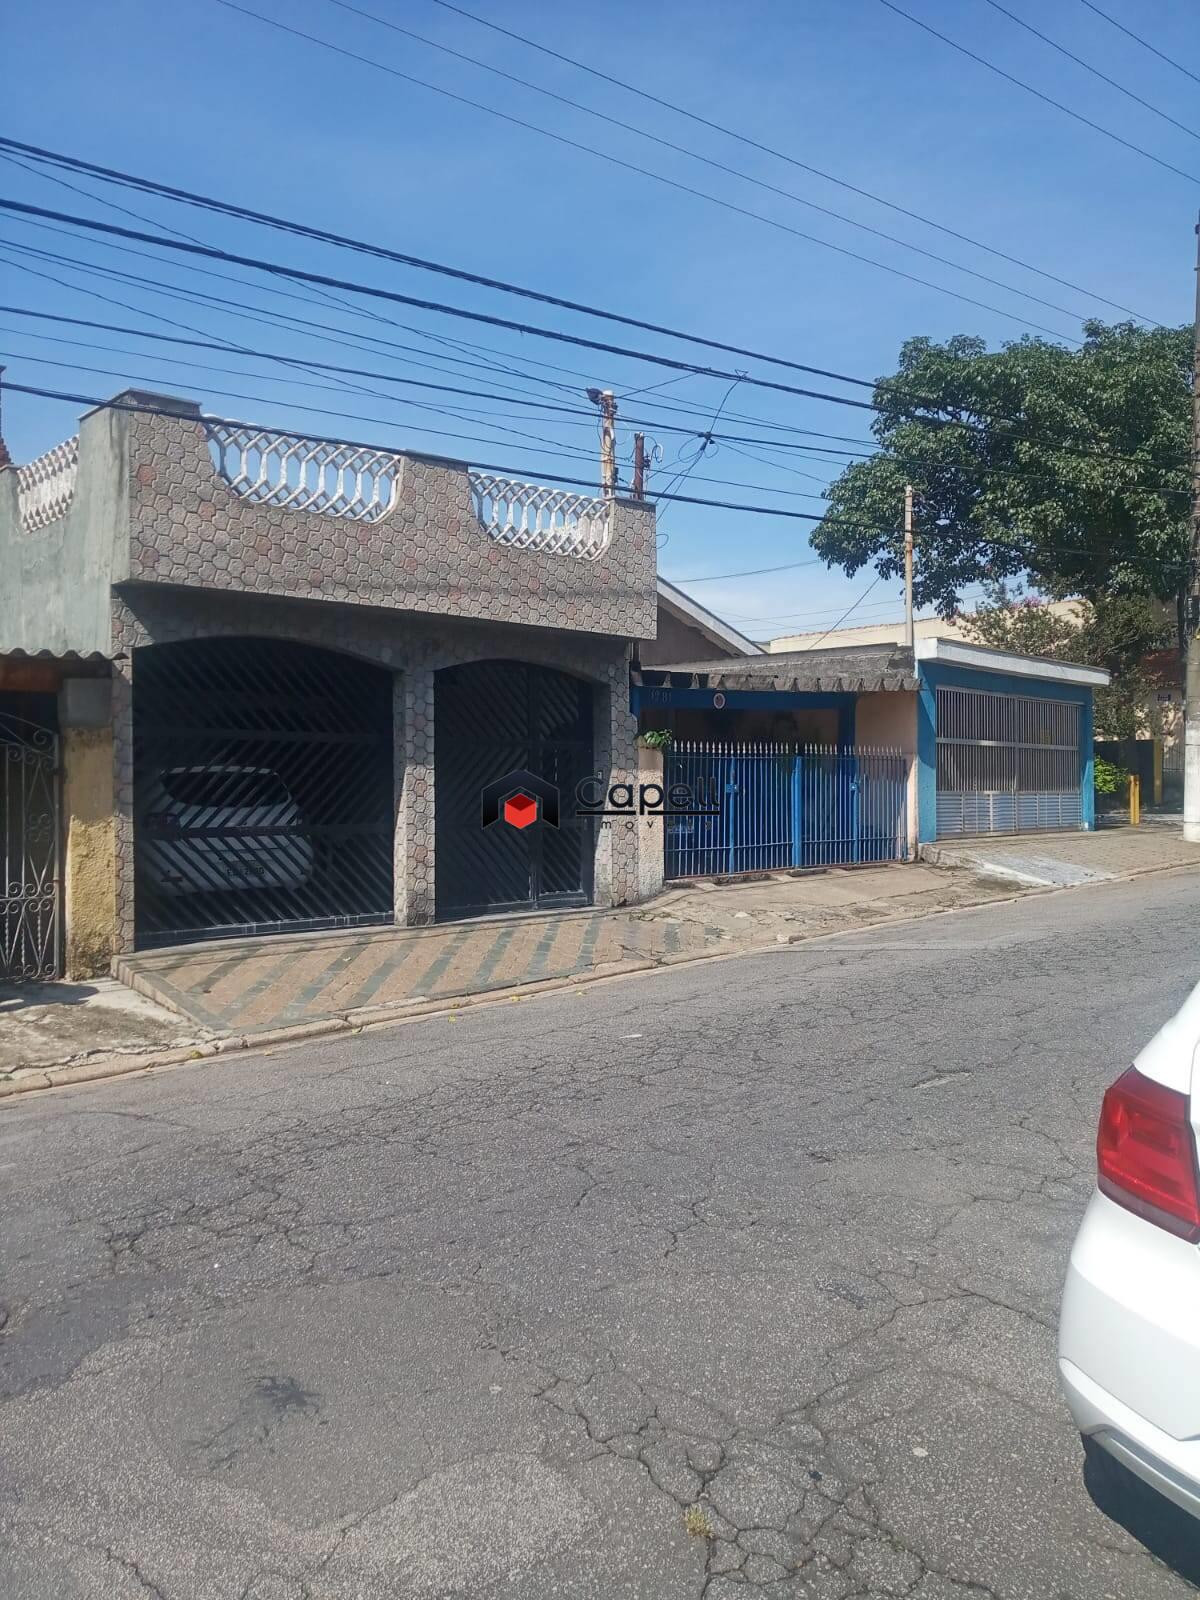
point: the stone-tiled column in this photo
(414, 882)
(617, 847)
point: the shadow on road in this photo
(1166, 1531)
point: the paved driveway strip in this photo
(740, 1279)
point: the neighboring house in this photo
(993, 741)
(255, 659)
(871, 633)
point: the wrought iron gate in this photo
(773, 806)
(263, 789)
(492, 718)
(1007, 763)
(30, 922)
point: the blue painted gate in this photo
(773, 806)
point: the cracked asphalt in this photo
(735, 1279)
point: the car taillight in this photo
(1146, 1154)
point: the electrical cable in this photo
(208, 203)
(92, 402)
(670, 362)
(645, 172)
(1080, 62)
(1029, 89)
(708, 161)
(1145, 43)
(782, 155)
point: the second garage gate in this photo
(1006, 741)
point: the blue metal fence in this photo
(772, 806)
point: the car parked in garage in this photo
(209, 829)
(1129, 1335)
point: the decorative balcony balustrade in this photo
(45, 486)
(282, 469)
(530, 516)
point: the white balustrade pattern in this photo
(282, 469)
(530, 516)
(45, 486)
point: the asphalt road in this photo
(736, 1279)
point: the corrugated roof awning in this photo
(796, 672)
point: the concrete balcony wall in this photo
(146, 504)
(428, 553)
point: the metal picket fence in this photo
(771, 806)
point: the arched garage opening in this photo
(263, 790)
(492, 718)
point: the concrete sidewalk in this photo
(1063, 860)
(198, 1000)
(260, 987)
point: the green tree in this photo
(1116, 632)
(1065, 468)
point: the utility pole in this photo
(639, 466)
(1191, 706)
(909, 629)
(607, 401)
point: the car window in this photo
(228, 787)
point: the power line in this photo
(1145, 43)
(439, 307)
(93, 402)
(1087, 67)
(1029, 89)
(214, 253)
(211, 253)
(305, 230)
(646, 172)
(733, 441)
(708, 161)
(782, 155)
(875, 581)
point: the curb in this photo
(38, 1079)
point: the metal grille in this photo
(29, 851)
(492, 718)
(1007, 763)
(776, 806)
(263, 790)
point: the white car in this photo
(210, 829)
(1129, 1336)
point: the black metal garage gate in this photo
(263, 790)
(493, 718)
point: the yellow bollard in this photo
(1135, 800)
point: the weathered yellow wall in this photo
(89, 868)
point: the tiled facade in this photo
(427, 554)
(414, 652)
(150, 544)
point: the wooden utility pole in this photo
(1191, 709)
(639, 466)
(909, 629)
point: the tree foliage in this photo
(1066, 468)
(1114, 631)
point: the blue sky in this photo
(203, 97)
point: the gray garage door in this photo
(1007, 763)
